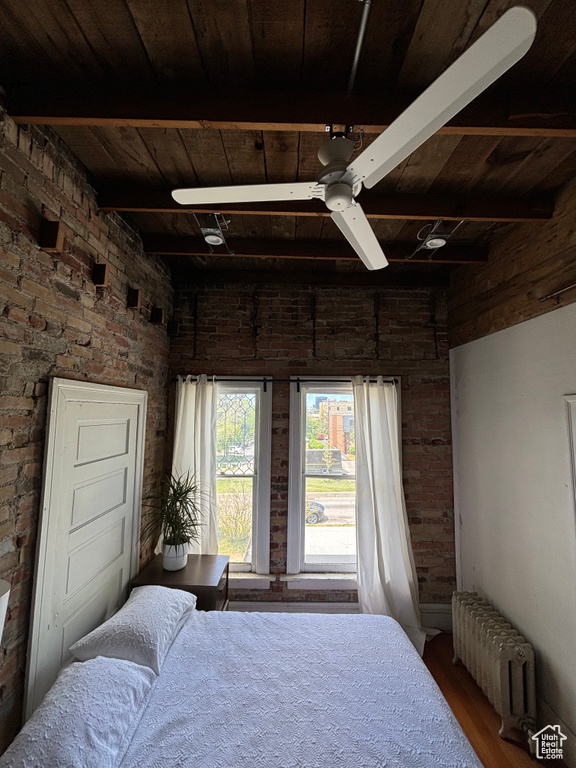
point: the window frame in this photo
(261, 490)
(296, 555)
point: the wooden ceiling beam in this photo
(491, 114)
(317, 250)
(366, 278)
(449, 207)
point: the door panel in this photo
(88, 544)
(99, 496)
(101, 440)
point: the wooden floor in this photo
(473, 711)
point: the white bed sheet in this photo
(269, 690)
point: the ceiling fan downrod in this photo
(359, 44)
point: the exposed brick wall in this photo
(290, 330)
(531, 262)
(54, 322)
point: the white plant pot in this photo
(175, 558)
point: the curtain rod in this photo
(296, 379)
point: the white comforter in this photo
(250, 690)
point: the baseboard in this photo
(547, 716)
(437, 616)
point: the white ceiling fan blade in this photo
(497, 50)
(249, 193)
(355, 227)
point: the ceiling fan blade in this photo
(501, 46)
(355, 227)
(249, 193)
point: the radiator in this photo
(498, 658)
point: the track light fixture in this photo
(213, 226)
(432, 237)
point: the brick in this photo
(7, 276)
(7, 492)
(38, 322)
(17, 315)
(64, 361)
(5, 436)
(65, 290)
(16, 403)
(7, 563)
(6, 529)
(7, 545)
(33, 469)
(40, 389)
(77, 323)
(94, 318)
(50, 310)
(13, 295)
(8, 258)
(10, 348)
(36, 289)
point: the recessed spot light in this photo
(214, 239)
(435, 242)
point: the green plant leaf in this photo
(177, 510)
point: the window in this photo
(243, 474)
(322, 484)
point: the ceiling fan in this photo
(340, 181)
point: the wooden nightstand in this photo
(205, 576)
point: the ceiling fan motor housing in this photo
(339, 196)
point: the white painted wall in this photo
(515, 512)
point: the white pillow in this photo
(86, 718)
(143, 629)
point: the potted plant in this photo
(177, 511)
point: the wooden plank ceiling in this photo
(152, 96)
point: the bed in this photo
(161, 685)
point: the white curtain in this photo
(386, 572)
(195, 450)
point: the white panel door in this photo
(89, 529)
